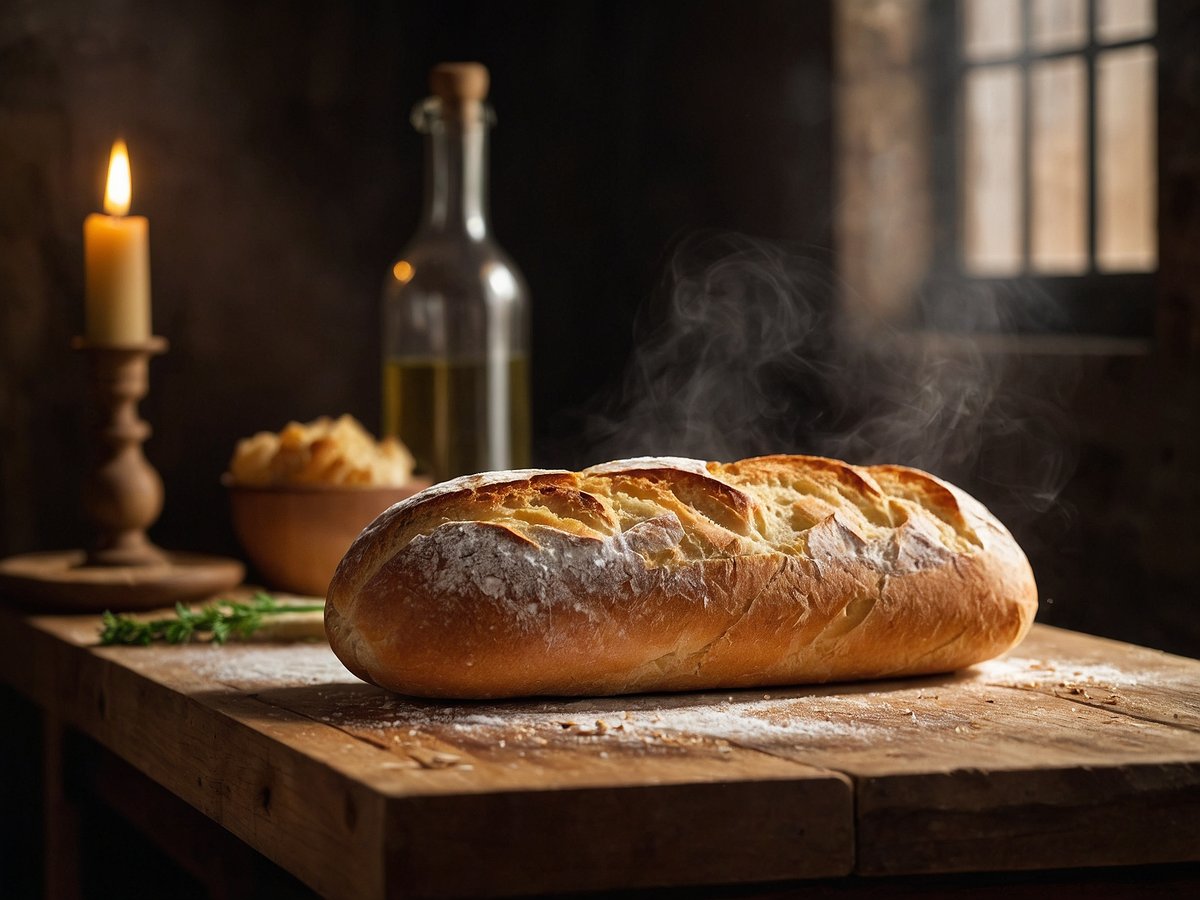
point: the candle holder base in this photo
(130, 548)
(66, 581)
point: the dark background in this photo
(272, 153)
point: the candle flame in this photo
(119, 187)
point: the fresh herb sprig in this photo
(222, 620)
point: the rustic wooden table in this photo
(1073, 751)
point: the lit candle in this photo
(116, 250)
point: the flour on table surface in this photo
(777, 721)
(639, 721)
(263, 667)
(1015, 671)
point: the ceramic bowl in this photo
(296, 536)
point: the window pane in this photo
(1126, 236)
(1123, 20)
(1058, 158)
(991, 28)
(1057, 24)
(991, 171)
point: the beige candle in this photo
(117, 263)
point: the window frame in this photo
(1095, 302)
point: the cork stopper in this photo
(460, 85)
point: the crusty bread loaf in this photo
(659, 574)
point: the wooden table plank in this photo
(1044, 799)
(944, 767)
(1008, 820)
(1139, 682)
(1072, 751)
(234, 759)
(355, 818)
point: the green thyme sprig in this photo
(222, 620)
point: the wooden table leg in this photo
(60, 815)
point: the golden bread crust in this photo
(670, 574)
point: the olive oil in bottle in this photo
(457, 415)
(455, 307)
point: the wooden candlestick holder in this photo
(122, 497)
(122, 494)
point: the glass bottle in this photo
(455, 307)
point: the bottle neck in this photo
(456, 178)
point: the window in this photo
(997, 163)
(1057, 173)
(1045, 171)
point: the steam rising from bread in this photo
(746, 352)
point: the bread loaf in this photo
(662, 574)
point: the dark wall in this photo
(272, 153)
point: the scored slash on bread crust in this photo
(664, 574)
